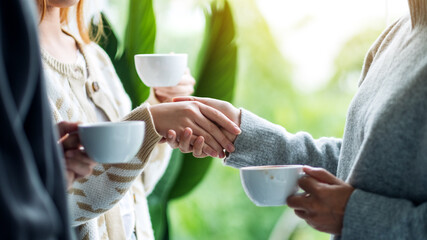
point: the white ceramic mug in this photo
(270, 185)
(161, 70)
(112, 142)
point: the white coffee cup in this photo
(160, 70)
(112, 142)
(270, 185)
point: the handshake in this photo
(203, 126)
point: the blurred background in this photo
(295, 63)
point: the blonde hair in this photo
(86, 33)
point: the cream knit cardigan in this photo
(92, 200)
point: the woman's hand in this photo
(187, 142)
(184, 88)
(78, 163)
(323, 204)
(201, 119)
(226, 108)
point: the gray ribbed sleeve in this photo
(264, 143)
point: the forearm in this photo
(96, 194)
(264, 143)
(372, 216)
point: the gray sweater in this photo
(383, 153)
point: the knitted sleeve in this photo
(264, 143)
(96, 194)
(159, 158)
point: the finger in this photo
(219, 118)
(198, 146)
(191, 98)
(187, 79)
(229, 136)
(309, 184)
(179, 90)
(80, 155)
(79, 162)
(215, 138)
(322, 175)
(67, 127)
(209, 151)
(70, 141)
(184, 141)
(171, 139)
(299, 202)
(215, 147)
(301, 213)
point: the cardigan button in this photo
(95, 86)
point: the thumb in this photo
(321, 175)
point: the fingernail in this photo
(170, 136)
(230, 147)
(186, 133)
(238, 130)
(214, 154)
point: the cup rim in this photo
(152, 55)
(102, 124)
(272, 167)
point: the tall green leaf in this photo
(140, 37)
(216, 72)
(217, 67)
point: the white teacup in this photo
(112, 142)
(270, 185)
(160, 70)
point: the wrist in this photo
(153, 109)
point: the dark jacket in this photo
(32, 185)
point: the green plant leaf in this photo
(140, 37)
(158, 199)
(217, 67)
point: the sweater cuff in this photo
(151, 137)
(244, 143)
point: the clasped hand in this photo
(203, 126)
